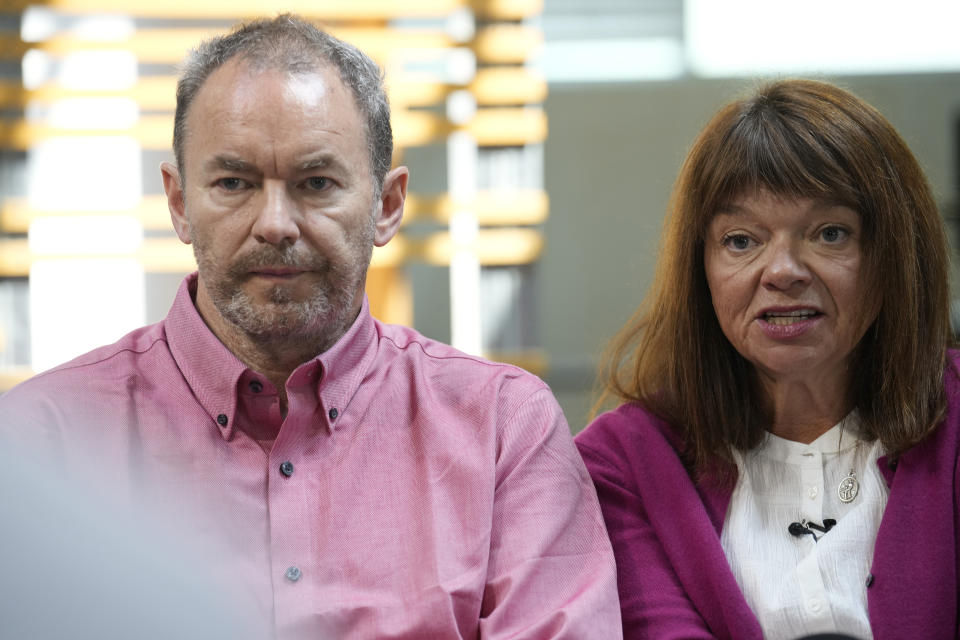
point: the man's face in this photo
(278, 200)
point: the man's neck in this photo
(274, 358)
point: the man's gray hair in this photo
(289, 43)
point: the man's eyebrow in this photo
(320, 161)
(230, 163)
(234, 163)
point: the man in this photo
(360, 480)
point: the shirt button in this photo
(812, 492)
(286, 468)
(869, 580)
(293, 574)
(222, 419)
(815, 606)
(334, 413)
(256, 386)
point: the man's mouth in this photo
(784, 318)
(276, 272)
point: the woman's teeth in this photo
(782, 318)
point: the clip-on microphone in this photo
(803, 527)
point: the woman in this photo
(784, 461)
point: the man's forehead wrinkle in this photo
(289, 57)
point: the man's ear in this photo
(173, 187)
(392, 197)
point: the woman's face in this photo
(787, 286)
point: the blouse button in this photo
(286, 468)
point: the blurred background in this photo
(543, 137)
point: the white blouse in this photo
(794, 584)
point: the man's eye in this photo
(318, 183)
(737, 242)
(231, 184)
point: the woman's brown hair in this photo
(797, 139)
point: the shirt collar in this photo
(214, 372)
(211, 370)
(345, 365)
(841, 437)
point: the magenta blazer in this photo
(673, 577)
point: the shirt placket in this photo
(809, 577)
(290, 506)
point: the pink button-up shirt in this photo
(412, 491)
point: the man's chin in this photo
(267, 292)
(273, 321)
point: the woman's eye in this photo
(318, 183)
(834, 234)
(737, 242)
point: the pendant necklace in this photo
(849, 487)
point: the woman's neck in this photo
(803, 411)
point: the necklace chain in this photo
(849, 486)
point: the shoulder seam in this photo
(70, 367)
(456, 356)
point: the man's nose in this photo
(786, 265)
(276, 221)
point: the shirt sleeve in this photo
(551, 572)
(30, 418)
(654, 604)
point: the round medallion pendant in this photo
(848, 489)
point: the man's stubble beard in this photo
(319, 319)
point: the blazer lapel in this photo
(688, 519)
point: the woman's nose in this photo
(786, 266)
